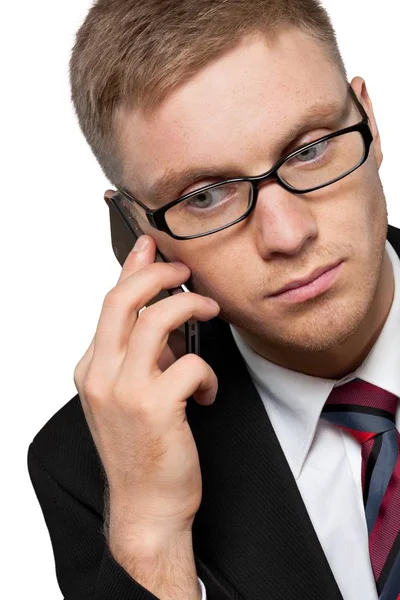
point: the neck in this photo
(339, 361)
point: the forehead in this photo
(232, 110)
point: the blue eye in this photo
(210, 199)
(203, 200)
(312, 153)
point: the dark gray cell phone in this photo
(124, 233)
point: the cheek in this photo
(371, 221)
(211, 279)
(371, 195)
(358, 227)
(220, 273)
(356, 214)
(205, 259)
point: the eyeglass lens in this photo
(222, 205)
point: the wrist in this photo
(148, 543)
(164, 566)
(146, 535)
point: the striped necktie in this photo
(367, 412)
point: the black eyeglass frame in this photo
(156, 217)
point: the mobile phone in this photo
(124, 233)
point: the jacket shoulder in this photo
(65, 448)
(393, 236)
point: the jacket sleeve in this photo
(85, 567)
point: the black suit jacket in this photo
(252, 536)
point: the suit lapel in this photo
(394, 238)
(252, 525)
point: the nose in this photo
(285, 222)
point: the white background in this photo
(57, 261)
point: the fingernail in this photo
(179, 265)
(141, 244)
(211, 301)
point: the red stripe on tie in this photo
(360, 436)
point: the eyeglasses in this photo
(220, 205)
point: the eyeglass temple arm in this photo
(358, 103)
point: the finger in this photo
(143, 253)
(190, 375)
(121, 305)
(154, 325)
(138, 257)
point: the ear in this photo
(360, 88)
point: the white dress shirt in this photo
(324, 459)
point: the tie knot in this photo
(362, 408)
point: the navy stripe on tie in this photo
(366, 422)
(389, 578)
(368, 410)
(370, 466)
(381, 475)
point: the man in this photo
(267, 468)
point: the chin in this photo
(331, 319)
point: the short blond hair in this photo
(132, 53)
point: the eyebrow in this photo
(169, 185)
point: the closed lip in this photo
(314, 275)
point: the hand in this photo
(136, 410)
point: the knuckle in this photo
(92, 389)
(78, 375)
(193, 362)
(112, 298)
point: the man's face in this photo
(234, 115)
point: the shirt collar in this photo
(294, 401)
